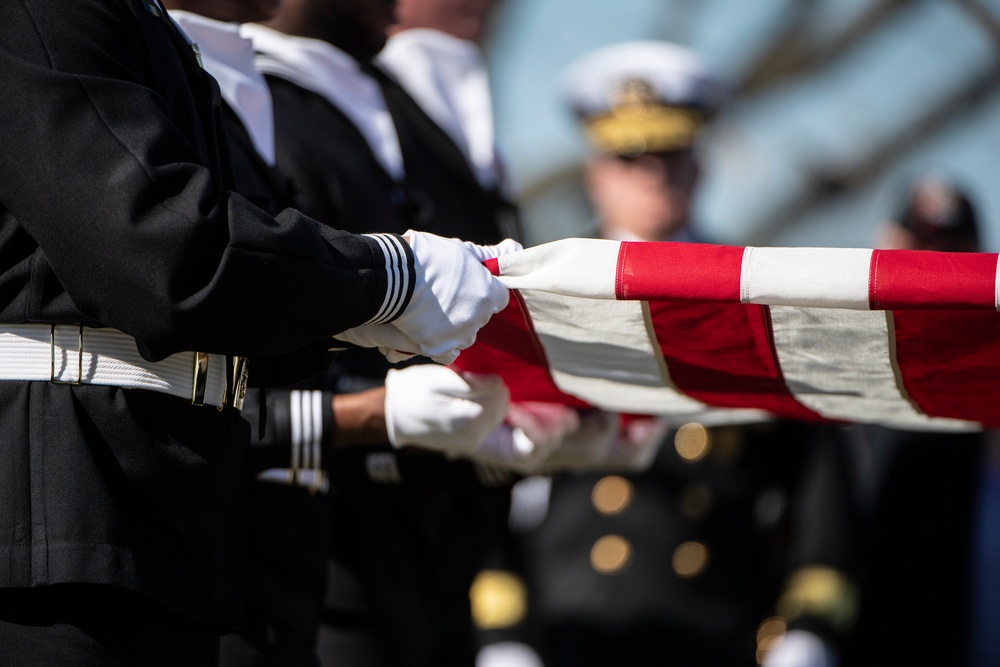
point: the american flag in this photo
(909, 339)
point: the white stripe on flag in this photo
(838, 363)
(819, 277)
(604, 354)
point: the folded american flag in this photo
(909, 339)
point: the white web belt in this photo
(73, 354)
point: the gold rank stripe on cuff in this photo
(398, 272)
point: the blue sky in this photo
(903, 90)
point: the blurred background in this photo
(837, 105)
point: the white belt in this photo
(73, 354)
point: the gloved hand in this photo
(386, 338)
(531, 432)
(435, 407)
(801, 648)
(454, 295)
(485, 252)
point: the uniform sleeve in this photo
(107, 170)
(299, 433)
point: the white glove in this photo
(454, 295)
(800, 648)
(531, 433)
(485, 252)
(435, 407)
(397, 346)
(389, 340)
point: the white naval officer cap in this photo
(643, 96)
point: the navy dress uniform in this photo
(735, 533)
(686, 562)
(131, 275)
(284, 566)
(407, 528)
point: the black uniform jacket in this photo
(407, 527)
(115, 211)
(711, 540)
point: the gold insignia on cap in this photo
(634, 99)
(637, 121)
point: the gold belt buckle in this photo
(241, 372)
(236, 387)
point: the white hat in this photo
(643, 96)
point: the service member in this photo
(407, 528)
(732, 528)
(285, 562)
(133, 277)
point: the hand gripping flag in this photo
(725, 334)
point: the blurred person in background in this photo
(734, 535)
(283, 566)
(408, 530)
(434, 51)
(930, 594)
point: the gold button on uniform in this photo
(611, 495)
(689, 559)
(692, 442)
(611, 554)
(770, 632)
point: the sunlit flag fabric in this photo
(727, 334)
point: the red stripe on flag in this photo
(908, 279)
(664, 271)
(509, 346)
(950, 362)
(723, 355)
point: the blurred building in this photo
(839, 103)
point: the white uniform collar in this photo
(228, 57)
(448, 79)
(326, 70)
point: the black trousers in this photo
(80, 625)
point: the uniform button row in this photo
(612, 554)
